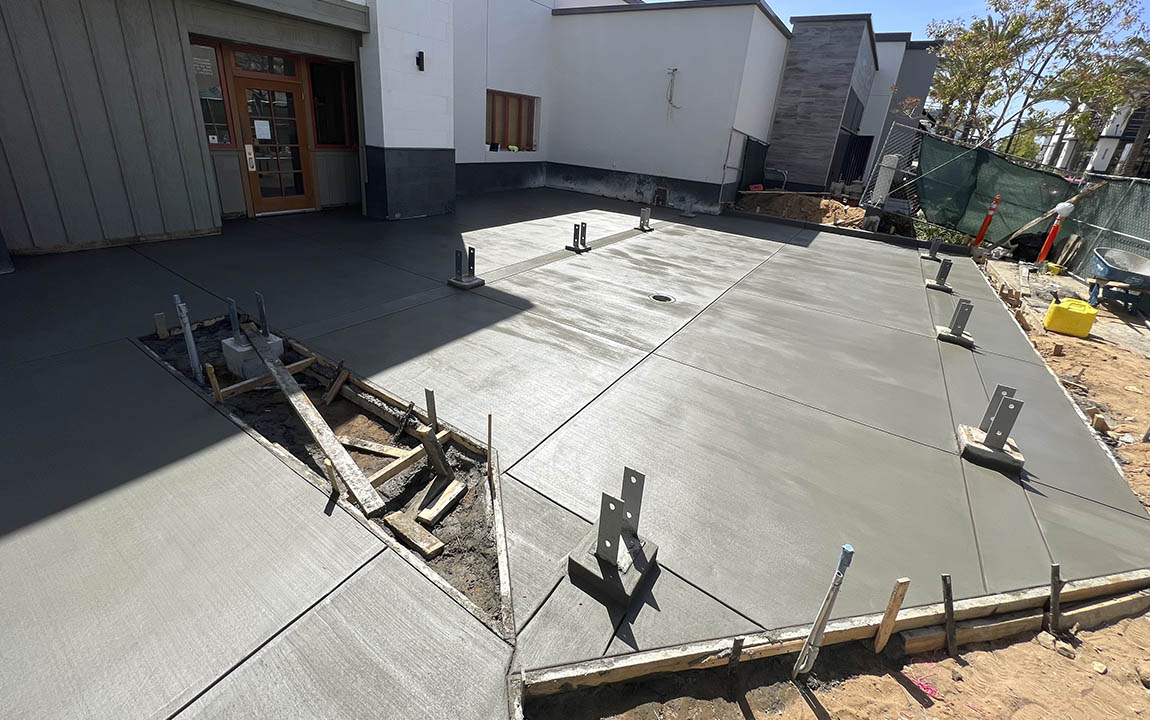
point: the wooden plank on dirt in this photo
(340, 378)
(210, 372)
(357, 485)
(699, 655)
(409, 458)
(414, 535)
(1091, 615)
(253, 383)
(369, 446)
(886, 627)
(434, 512)
(996, 627)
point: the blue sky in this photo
(886, 15)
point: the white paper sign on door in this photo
(263, 130)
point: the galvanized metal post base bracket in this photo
(956, 331)
(932, 254)
(939, 281)
(990, 443)
(611, 561)
(579, 240)
(645, 220)
(465, 280)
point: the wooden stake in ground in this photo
(1055, 598)
(948, 609)
(211, 373)
(432, 419)
(886, 627)
(357, 485)
(336, 384)
(161, 321)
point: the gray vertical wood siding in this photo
(100, 137)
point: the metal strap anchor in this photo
(619, 519)
(814, 641)
(932, 253)
(465, 276)
(263, 314)
(234, 314)
(1000, 417)
(458, 265)
(645, 220)
(943, 271)
(961, 315)
(189, 339)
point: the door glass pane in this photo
(293, 183)
(264, 63)
(283, 104)
(265, 157)
(289, 160)
(286, 132)
(270, 185)
(513, 121)
(258, 103)
(327, 99)
(211, 94)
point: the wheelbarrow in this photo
(1119, 275)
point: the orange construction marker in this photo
(986, 221)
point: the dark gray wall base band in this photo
(471, 178)
(701, 197)
(409, 182)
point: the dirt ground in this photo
(801, 207)
(1109, 370)
(469, 560)
(1023, 678)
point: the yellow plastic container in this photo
(1070, 317)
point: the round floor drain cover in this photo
(659, 297)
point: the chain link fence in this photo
(951, 184)
(1117, 216)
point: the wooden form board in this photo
(253, 383)
(434, 512)
(357, 485)
(1010, 613)
(414, 535)
(409, 458)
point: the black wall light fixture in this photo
(419, 60)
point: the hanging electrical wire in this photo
(671, 87)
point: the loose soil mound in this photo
(801, 207)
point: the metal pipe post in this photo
(189, 339)
(814, 641)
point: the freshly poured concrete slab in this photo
(991, 326)
(882, 261)
(302, 280)
(479, 355)
(668, 611)
(888, 379)
(745, 488)
(64, 302)
(609, 291)
(965, 277)
(148, 544)
(1061, 451)
(842, 286)
(427, 246)
(1089, 539)
(540, 534)
(1010, 544)
(386, 644)
(570, 627)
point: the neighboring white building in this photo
(136, 120)
(1110, 151)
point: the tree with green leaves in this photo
(1000, 74)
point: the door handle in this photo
(251, 158)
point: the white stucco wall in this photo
(761, 77)
(402, 106)
(607, 105)
(499, 45)
(890, 55)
